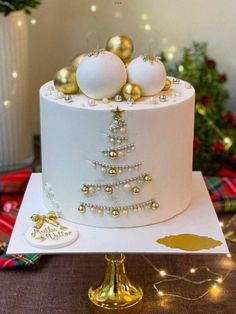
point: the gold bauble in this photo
(76, 61)
(127, 62)
(108, 189)
(112, 171)
(85, 189)
(65, 81)
(167, 85)
(120, 45)
(154, 205)
(135, 189)
(131, 91)
(113, 154)
(147, 178)
(115, 212)
(82, 208)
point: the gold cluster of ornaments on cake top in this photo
(112, 74)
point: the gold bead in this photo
(108, 189)
(76, 61)
(112, 171)
(113, 154)
(82, 208)
(147, 178)
(85, 189)
(115, 212)
(135, 189)
(120, 45)
(131, 91)
(154, 205)
(65, 81)
(167, 85)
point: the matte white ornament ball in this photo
(101, 76)
(149, 75)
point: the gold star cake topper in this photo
(117, 113)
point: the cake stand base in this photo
(116, 291)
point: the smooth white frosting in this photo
(73, 134)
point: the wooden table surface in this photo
(59, 284)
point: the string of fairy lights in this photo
(167, 278)
(214, 279)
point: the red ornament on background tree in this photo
(196, 143)
(217, 147)
(206, 100)
(230, 119)
(210, 62)
(232, 158)
(222, 77)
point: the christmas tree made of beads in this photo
(118, 137)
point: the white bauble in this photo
(149, 75)
(101, 76)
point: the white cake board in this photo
(199, 218)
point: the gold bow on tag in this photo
(51, 218)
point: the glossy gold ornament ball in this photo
(131, 91)
(135, 189)
(65, 81)
(113, 154)
(154, 205)
(167, 85)
(147, 178)
(120, 45)
(112, 171)
(127, 62)
(108, 189)
(85, 189)
(115, 212)
(76, 61)
(82, 208)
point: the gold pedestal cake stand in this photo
(116, 291)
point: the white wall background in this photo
(65, 28)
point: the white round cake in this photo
(111, 163)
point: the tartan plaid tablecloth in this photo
(222, 192)
(12, 186)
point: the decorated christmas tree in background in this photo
(215, 128)
(133, 184)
